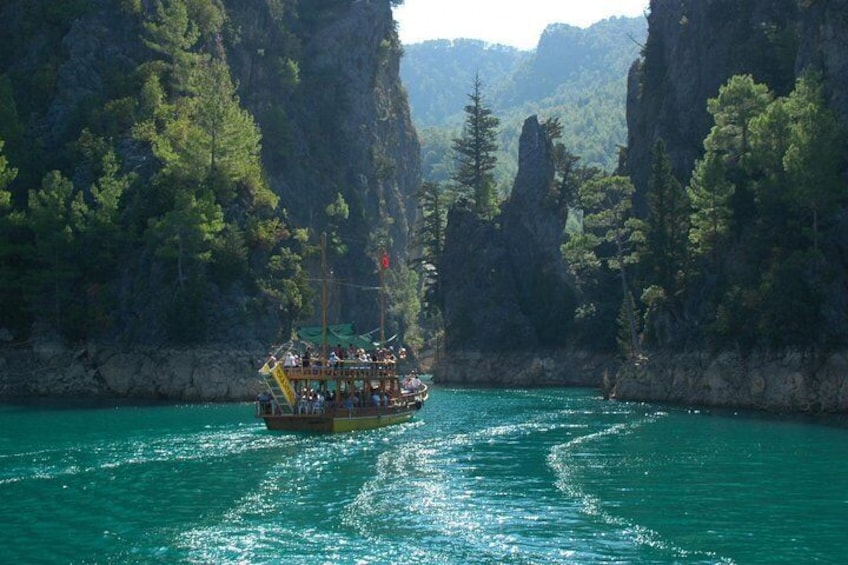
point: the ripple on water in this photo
(480, 476)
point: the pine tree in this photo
(432, 201)
(172, 35)
(739, 101)
(667, 226)
(710, 194)
(475, 153)
(56, 216)
(11, 248)
(814, 158)
(607, 204)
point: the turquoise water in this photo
(481, 476)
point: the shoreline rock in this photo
(787, 382)
(791, 382)
(530, 368)
(142, 373)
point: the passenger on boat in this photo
(264, 403)
(289, 360)
(390, 356)
(307, 357)
(318, 403)
(412, 383)
(334, 359)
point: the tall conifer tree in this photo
(667, 225)
(475, 153)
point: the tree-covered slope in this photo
(168, 167)
(577, 75)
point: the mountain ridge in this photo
(576, 74)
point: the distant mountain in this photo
(438, 74)
(578, 75)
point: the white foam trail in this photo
(563, 459)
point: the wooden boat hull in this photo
(337, 398)
(335, 423)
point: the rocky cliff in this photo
(694, 46)
(322, 82)
(506, 290)
(344, 129)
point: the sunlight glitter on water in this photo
(480, 476)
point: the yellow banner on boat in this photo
(285, 384)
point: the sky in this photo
(518, 23)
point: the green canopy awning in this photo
(338, 334)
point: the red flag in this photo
(385, 260)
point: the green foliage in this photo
(96, 249)
(475, 154)
(404, 304)
(337, 212)
(172, 35)
(104, 236)
(230, 256)
(7, 175)
(611, 237)
(570, 175)
(710, 193)
(433, 203)
(55, 216)
(576, 75)
(11, 249)
(737, 103)
(762, 271)
(665, 254)
(813, 158)
(11, 127)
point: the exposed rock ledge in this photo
(524, 369)
(787, 383)
(91, 371)
(791, 382)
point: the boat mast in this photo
(324, 296)
(384, 264)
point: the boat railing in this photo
(356, 405)
(354, 369)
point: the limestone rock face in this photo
(505, 286)
(350, 131)
(532, 368)
(339, 125)
(789, 382)
(504, 281)
(94, 371)
(533, 225)
(694, 46)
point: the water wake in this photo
(568, 459)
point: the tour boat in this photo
(337, 396)
(342, 390)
